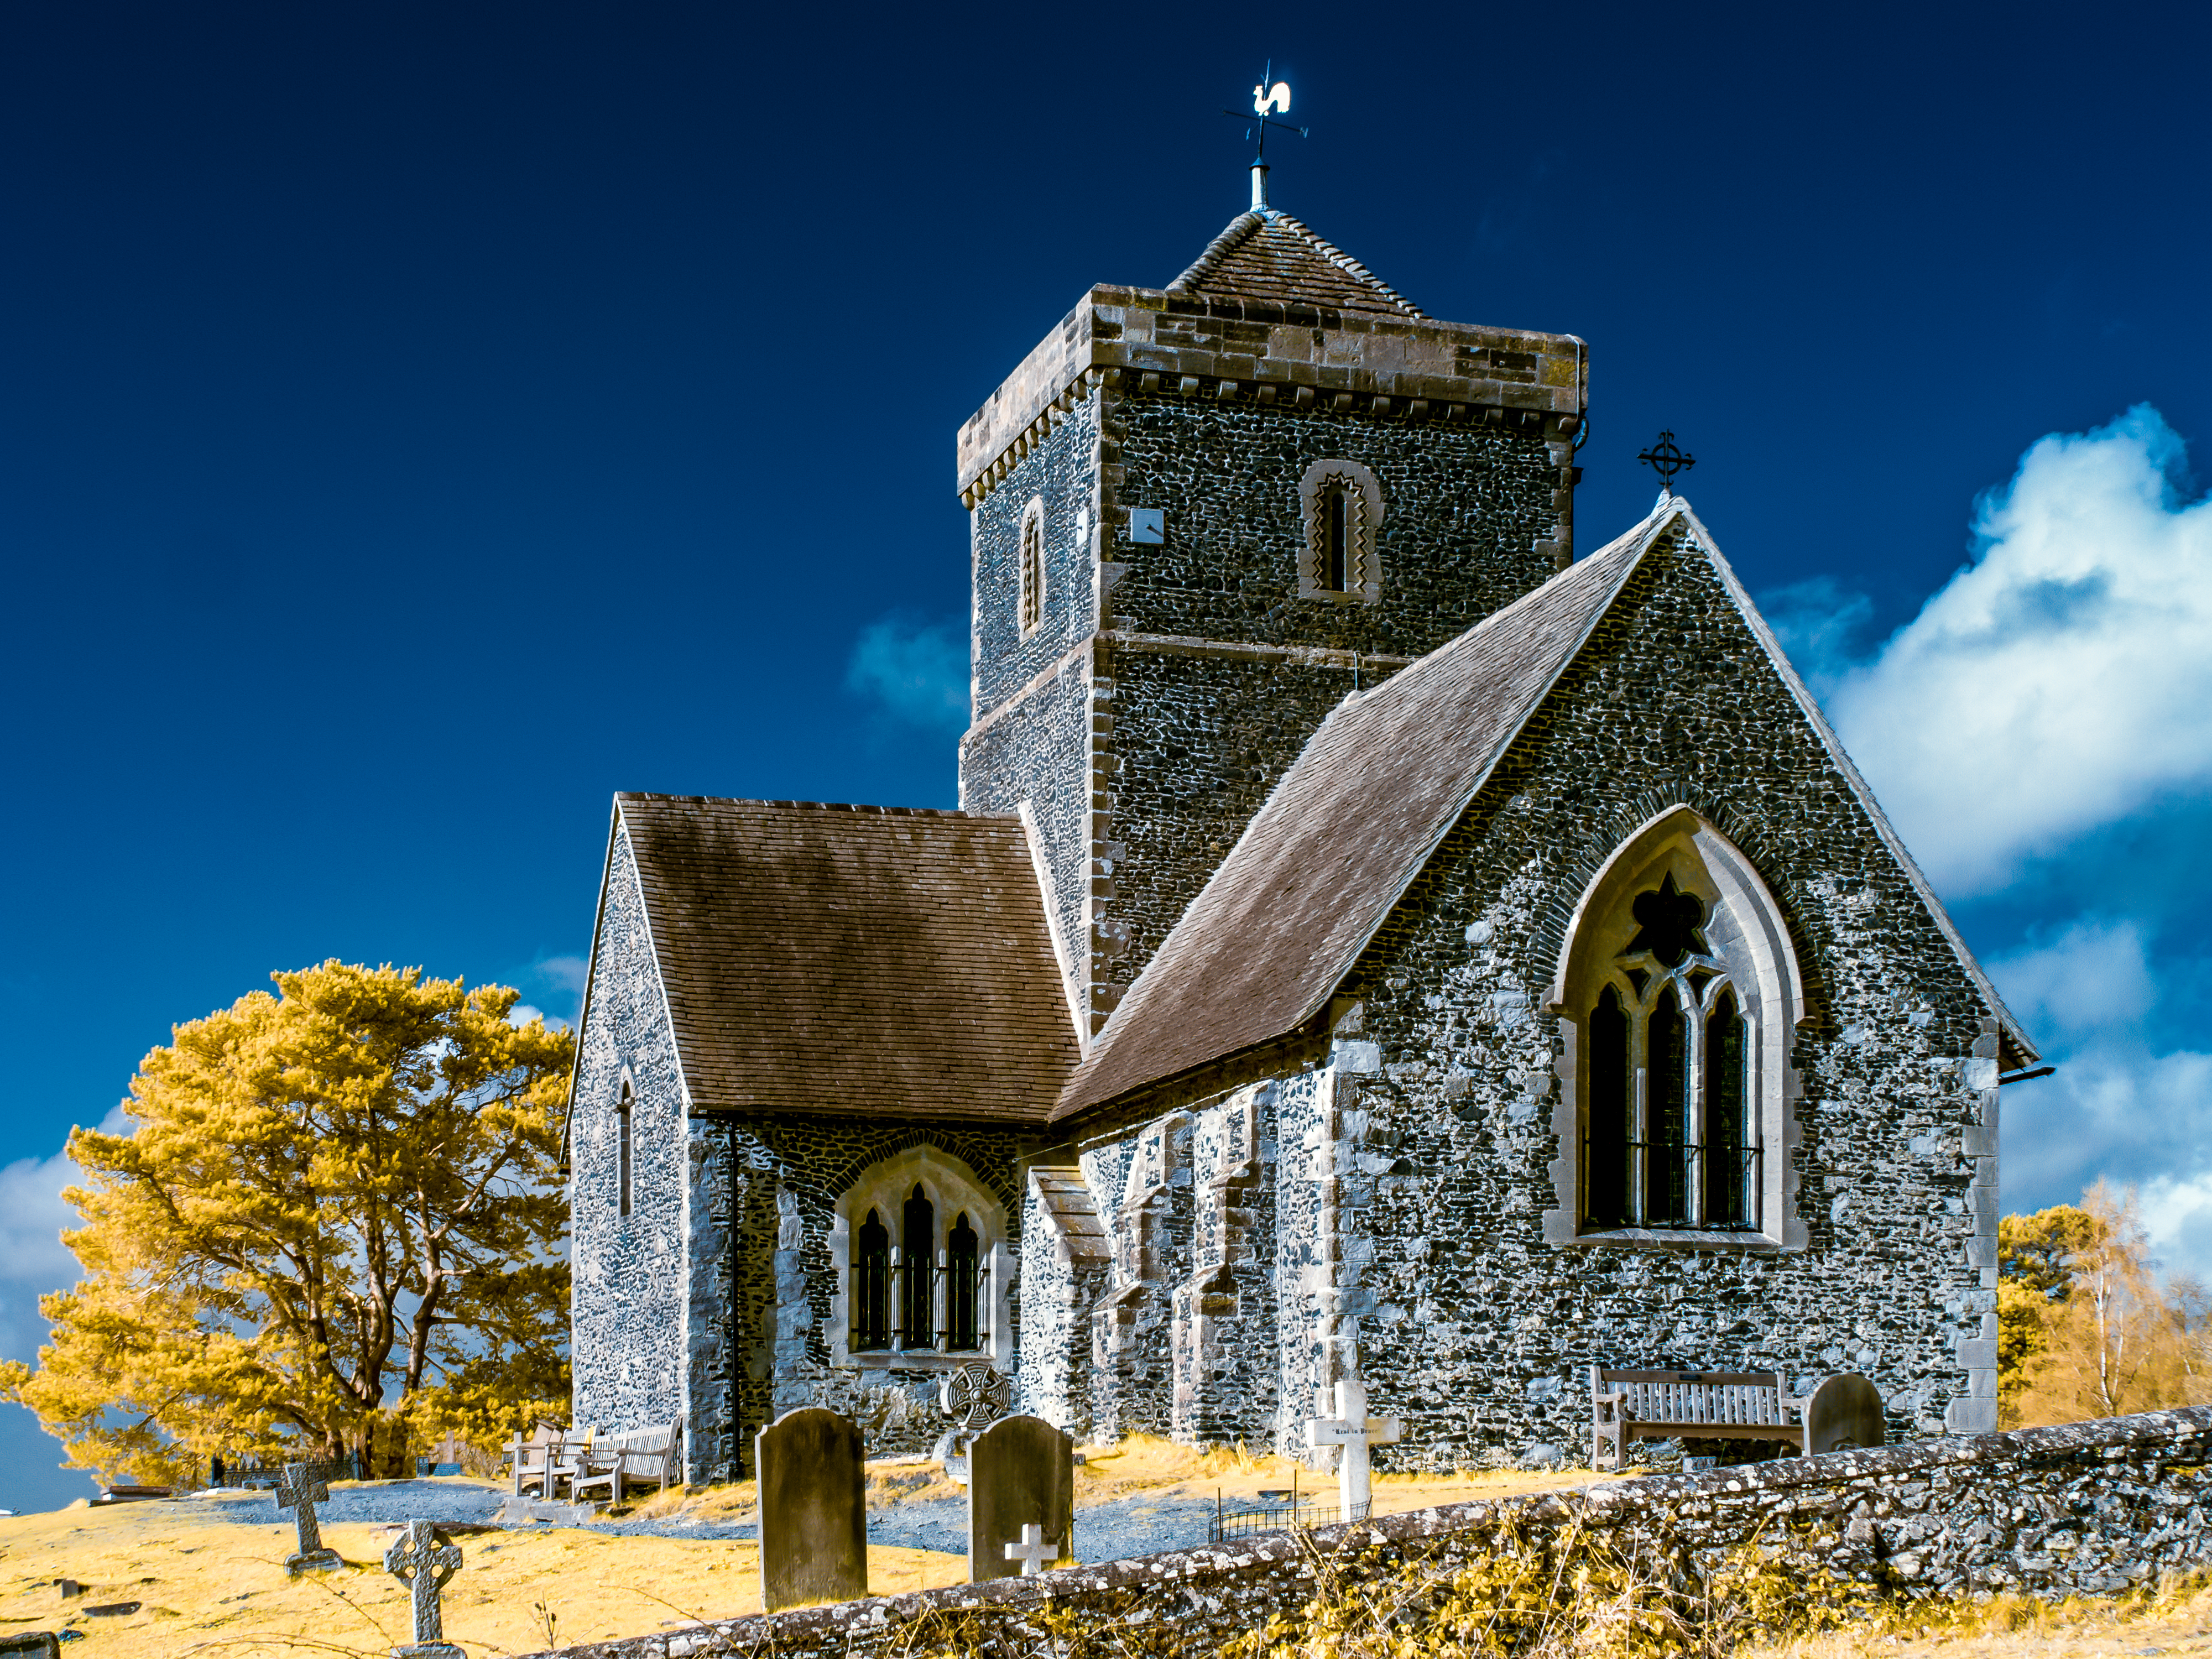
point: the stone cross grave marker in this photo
(1352, 1432)
(423, 1560)
(1033, 1550)
(1021, 1489)
(813, 1510)
(299, 1488)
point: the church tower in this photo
(1198, 517)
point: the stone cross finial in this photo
(299, 1488)
(1354, 1431)
(1033, 1550)
(423, 1561)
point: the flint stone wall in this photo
(628, 1291)
(710, 1302)
(2085, 1508)
(1412, 1170)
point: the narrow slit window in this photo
(918, 1299)
(622, 1172)
(871, 1285)
(1032, 571)
(1336, 530)
(1605, 1201)
(963, 1253)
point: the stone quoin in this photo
(1376, 948)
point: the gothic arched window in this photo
(871, 1285)
(924, 1275)
(1032, 576)
(1680, 994)
(622, 1155)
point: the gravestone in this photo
(421, 1559)
(32, 1644)
(299, 1489)
(813, 1510)
(1021, 1472)
(1845, 1413)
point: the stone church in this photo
(1375, 942)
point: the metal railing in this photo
(1292, 1515)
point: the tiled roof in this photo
(1269, 255)
(1351, 824)
(852, 960)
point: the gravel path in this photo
(1104, 1532)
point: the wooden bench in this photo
(634, 1457)
(549, 1456)
(1628, 1405)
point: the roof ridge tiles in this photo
(860, 808)
(1218, 269)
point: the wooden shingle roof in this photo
(1265, 254)
(852, 960)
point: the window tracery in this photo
(922, 1268)
(1679, 993)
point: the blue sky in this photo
(418, 423)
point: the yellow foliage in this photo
(336, 1212)
(2117, 1339)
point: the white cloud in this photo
(522, 1013)
(2114, 1108)
(567, 972)
(916, 671)
(2095, 975)
(2059, 683)
(32, 1259)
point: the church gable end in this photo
(630, 1286)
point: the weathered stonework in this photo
(1167, 686)
(2087, 1508)
(630, 1272)
(711, 1302)
(1412, 1164)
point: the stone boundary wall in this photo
(2082, 1508)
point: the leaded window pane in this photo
(1666, 1115)
(1606, 1188)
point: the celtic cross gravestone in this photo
(299, 1489)
(423, 1560)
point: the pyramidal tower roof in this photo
(1265, 254)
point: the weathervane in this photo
(1270, 98)
(1666, 461)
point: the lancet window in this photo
(621, 1153)
(917, 1244)
(1032, 579)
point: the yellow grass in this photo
(1144, 1463)
(2177, 1620)
(209, 1587)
